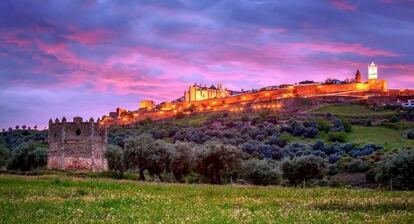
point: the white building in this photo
(372, 71)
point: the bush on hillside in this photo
(4, 156)
(115, 156)
(182, 159)
(410, 134)
(397, 169)
(27, 156)
(303, 168)
(137, 150)
(337, 137)
(158, 159)
(261, 172)
(217, 162)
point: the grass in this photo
(401, 125)
(390, 138)
(352, 110)
(53, 199)
(193, 120)
(362, 135)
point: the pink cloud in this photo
(343, 5)
(92, 36)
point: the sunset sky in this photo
(67, 58)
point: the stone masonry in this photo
(77, 145)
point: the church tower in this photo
(358, 77)
(372, 71)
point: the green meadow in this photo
(57, 199)
(353, 110)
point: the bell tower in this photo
(372, 71)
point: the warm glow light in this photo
(267, 94)
(290, 87)
(214, 102)
(360, 86)
(243, 98)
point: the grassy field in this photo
(352, 110)
(390, 138)
(49, 199)
(362, 135)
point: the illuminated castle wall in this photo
(197, 92)
(203, 99)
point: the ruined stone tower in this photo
(77, 145)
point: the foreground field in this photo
(50, 199)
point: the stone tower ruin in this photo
(77, 145)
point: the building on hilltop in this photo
(374, 83)
(372, 71)
(77, 145)
(146, 104)
(197, 92)
(358, 77)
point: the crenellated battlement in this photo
(78, 145)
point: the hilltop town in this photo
(217, 98)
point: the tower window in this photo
(78, 131)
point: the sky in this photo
(87, 57)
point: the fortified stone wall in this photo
(235, 103)
(77, 145)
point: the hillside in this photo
(327, 145)
(351, 148)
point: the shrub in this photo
(27, 156)
(136, 153)
(410, 134)
(4, 155)
(323, 125)
(159, 133)
(217, 162)
(272, 119)
(263, 172)
(347, 125)
(303, 168)
(179, 115)
(357, 166)
(181, 160)
(337, 137)
(394, 119)
(337, 125)
(332, 169)
(245, 118)
(311, 132)
(397, 169)
(368, 122)
(115, 156)
(158, 158)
